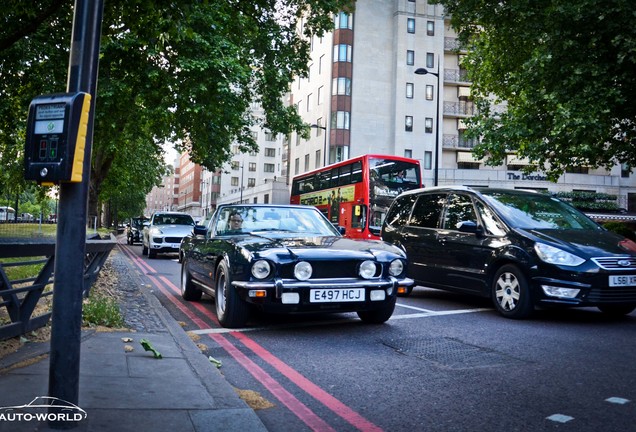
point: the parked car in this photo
(134, 230)
(288, 259)
(520, 248)
(164, 232)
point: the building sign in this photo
(523, 176)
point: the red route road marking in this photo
(262, 376)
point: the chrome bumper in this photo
(281, 285)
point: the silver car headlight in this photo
(553, 255)
(367, 269)
(261, 269)
(303, 270)
(396, 267)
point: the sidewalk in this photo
(133, 391)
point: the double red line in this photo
(304, 413)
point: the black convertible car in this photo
(288, 259)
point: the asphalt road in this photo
(443, 362)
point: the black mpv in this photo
(520, 248)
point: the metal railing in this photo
(19, 297)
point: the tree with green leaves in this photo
(565, 69)
(186, 72)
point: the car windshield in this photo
(536, 211)
(138, 222)
(254, 219)
(173, 220)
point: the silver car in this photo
(165, 232)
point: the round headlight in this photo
(303, 270)
(367, 269)
(261, 269)
(396, 268)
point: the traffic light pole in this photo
(66, 318)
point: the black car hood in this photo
(331, 247)
(585, 243)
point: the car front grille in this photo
(612, 295)
(326, 269)
(173, 239)
(616, 263)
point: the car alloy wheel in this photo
(511, 293)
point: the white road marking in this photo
(560, 418)
(425, 314)
(617, 400)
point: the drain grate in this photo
(451, 353)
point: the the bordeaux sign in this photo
(535, 177)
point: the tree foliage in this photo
(186, 71)
(565, 69)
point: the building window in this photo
(296, 166)
(344, 21)
(625, 170)
(408, 153)
(430, 60)
(320, 61)
(306, 162)
(270, 136)
(409, 90)
(251, 182)
(430, 28)
(428, 125)
(468, 165)
(342, 53)
(340, 120)
(429, 92)
(410, 25)
(255, 200)
(234, 181)
(270, 152)
(270, 167)
(298, 139)
(318, 159)
(428, 159)
(254, 135)
(319, 101)
(408, 123)
(341, 86)
(266, 199)
(578, 170)
(410, 57)
(235, 165)
(252, 166)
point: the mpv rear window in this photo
(427, 210)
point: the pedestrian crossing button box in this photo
(56, 138)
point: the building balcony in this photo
(457, 76)
(459, 109)
(457, 142)
(452, 44)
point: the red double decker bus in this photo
(356, 193)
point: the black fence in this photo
(20, 297)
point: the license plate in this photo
(336, 295)
(175, 245)
(626, 280)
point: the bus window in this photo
(356, 172)
(345, 175)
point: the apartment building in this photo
(257, 177)
(388, 80)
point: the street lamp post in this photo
(324, 150)
(242, 166)
(422, 71)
